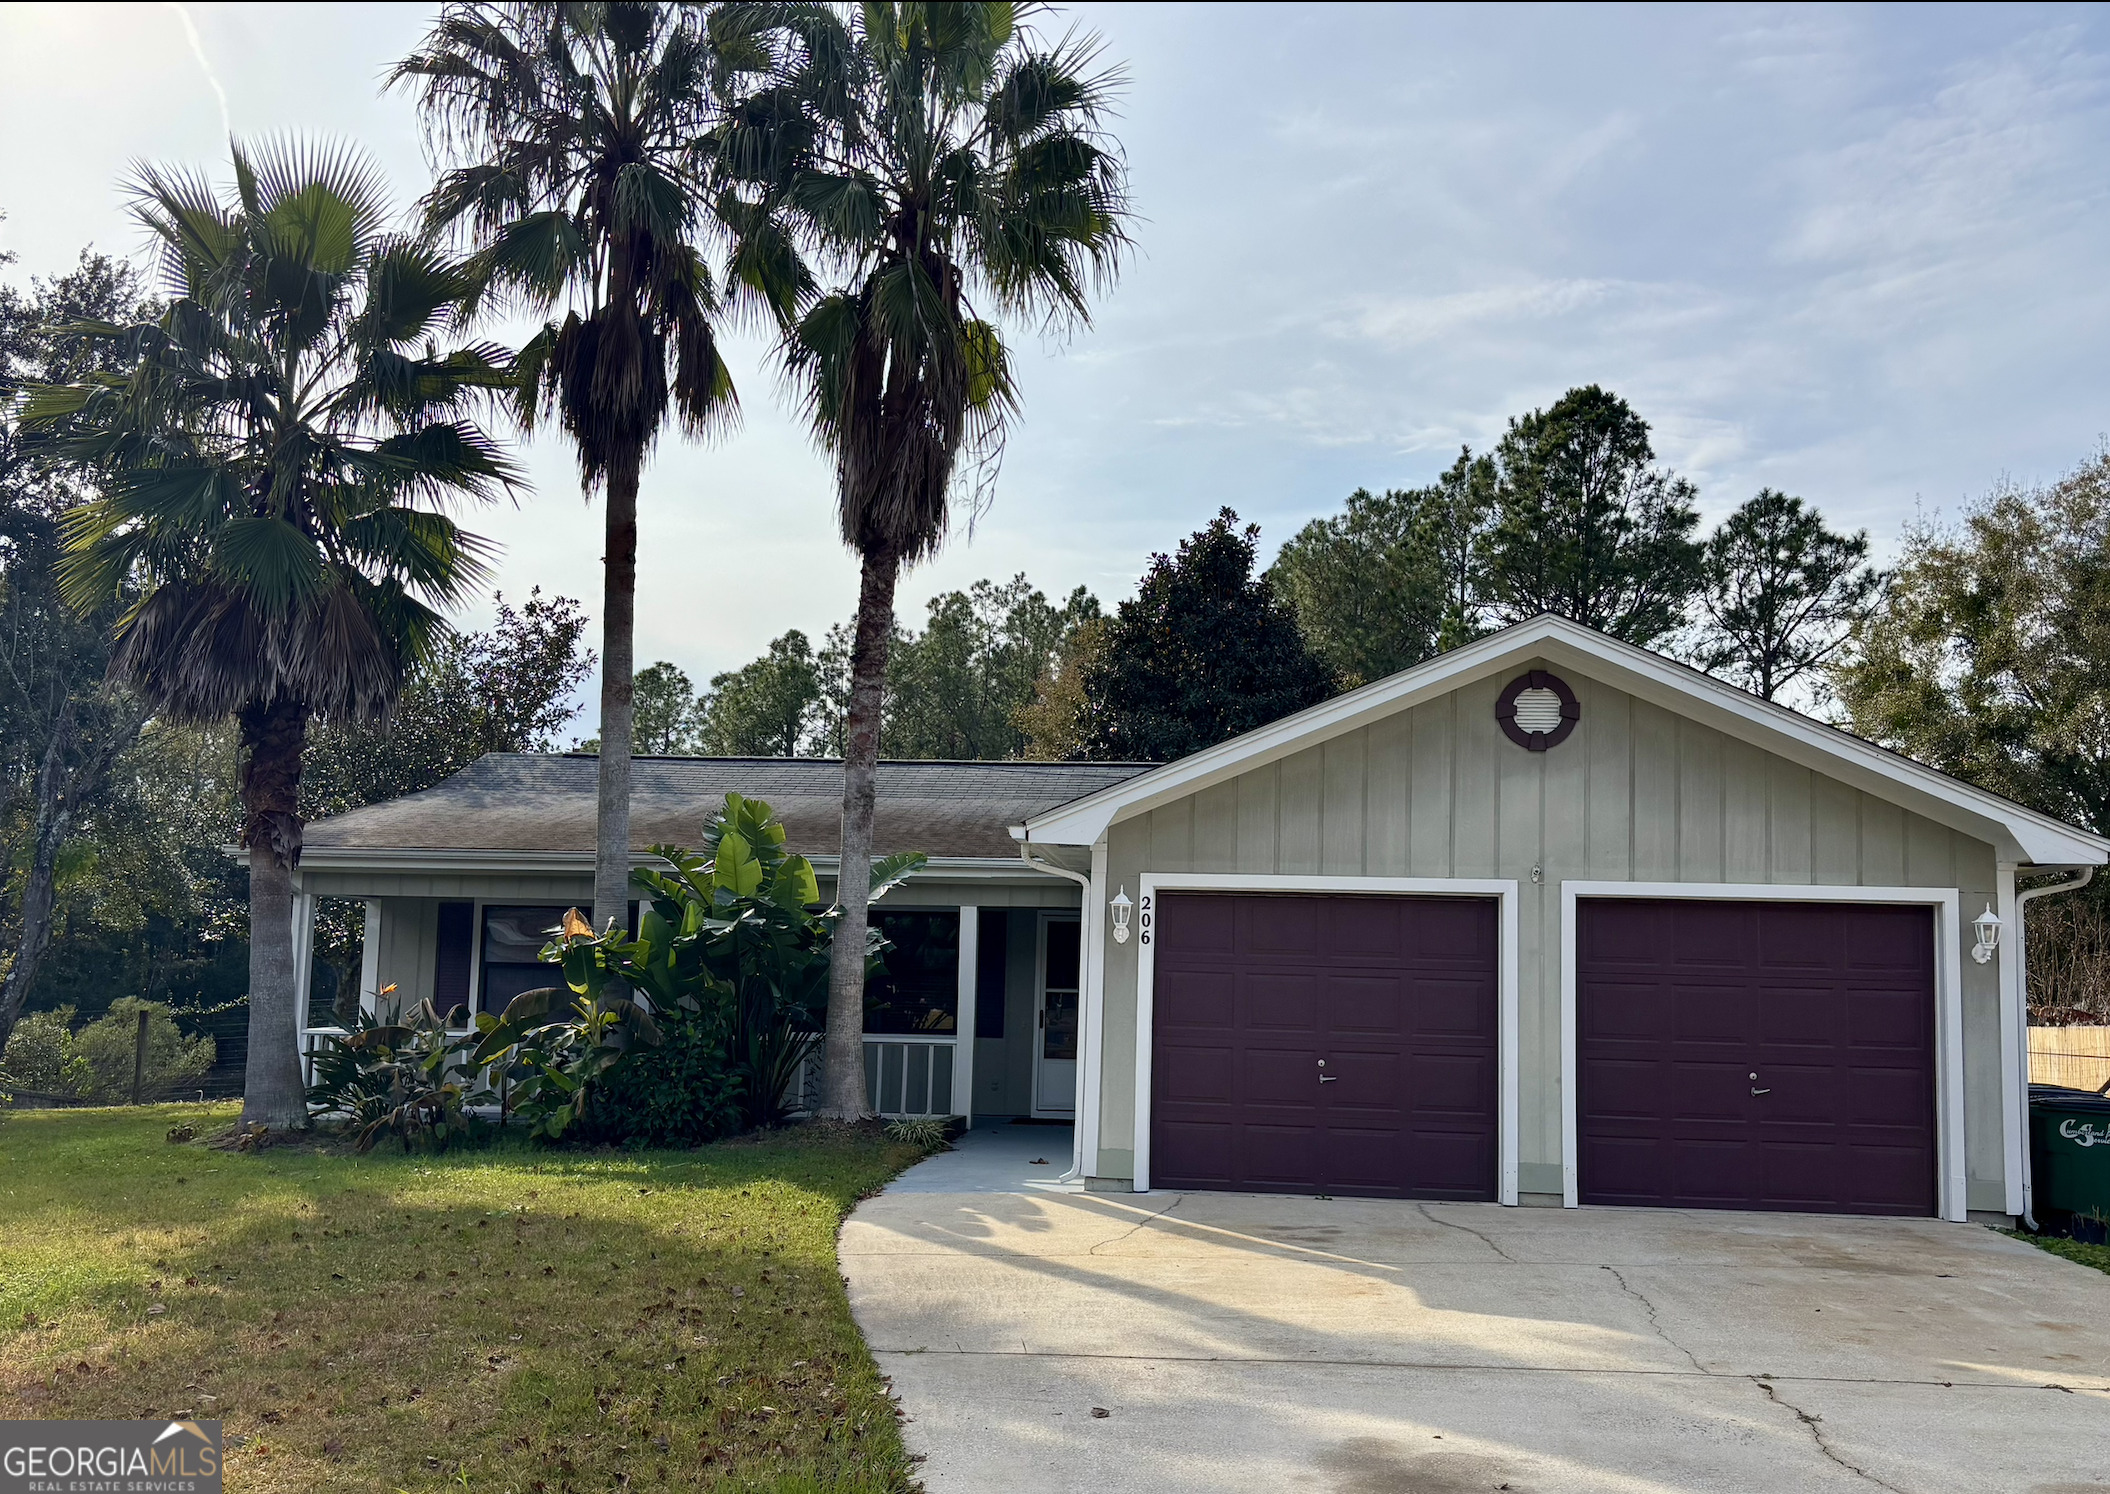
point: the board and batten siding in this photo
(1636, 793)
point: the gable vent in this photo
(1538, 710)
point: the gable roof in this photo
(2019, 834)
(509, 805)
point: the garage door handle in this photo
(1761, 1091)
(1329, 1078)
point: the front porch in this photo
(976, 1015)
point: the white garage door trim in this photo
(1505, 895)
(1948, 1004)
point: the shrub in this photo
(42, 1060)
(110, 1043)
(698, 1025)
(409, 1079)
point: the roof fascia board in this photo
(454, 862)
(2017, 833)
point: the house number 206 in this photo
(1145, 917)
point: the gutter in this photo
(2022, 901)
(1025, 854)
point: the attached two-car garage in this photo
(1567, 923)
(1770, 1055)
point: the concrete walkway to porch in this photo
(1043, 1339)
(997, 1156)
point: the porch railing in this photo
(906, 1074)
(312, 1040)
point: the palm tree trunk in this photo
(272, 737)
(611, 857)
(844, 1063)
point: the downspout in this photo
(2021, 946)
(1025, 854)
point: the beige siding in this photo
(1637, 793)
(409, 944)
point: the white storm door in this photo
(1055, 1018)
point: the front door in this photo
(1055, 1026)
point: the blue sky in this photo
(1858, 254)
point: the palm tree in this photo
(583, 140)
(954, 170)
(275, 460)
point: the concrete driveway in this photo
(1045, 1339)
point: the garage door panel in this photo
(1200, 1075)
(1886, 1018)
(1628, 1010)
(1695, 1093)
(1444, 1006)
(1279, 1076)
(1274, 1156)
(1374, 1003)
(1397, 994)
(1832, 1009)
(1206, 1150)
(1295, 930)
(1193, 999)
(1208, 931)
(1697, 1012)
(1360, 931)
(1277, 1002)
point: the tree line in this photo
(1568, 514)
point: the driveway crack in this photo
(1468, 1229)
(1655, 1324)
(1146, 1219)
(1816, 1430)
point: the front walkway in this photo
(1043, 1339)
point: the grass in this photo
(502, 1320)
(2097, 1256)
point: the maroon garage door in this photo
(1324, 1045)
(1756, 1055)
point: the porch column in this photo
(1091, 1003)
(963, 1025)
(303, 976)
(303, 956)
(370, 961)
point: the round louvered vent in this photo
(1537, 711)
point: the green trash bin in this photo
(2069, 1132)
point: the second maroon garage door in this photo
(1756, 1055)
(1324, 1045)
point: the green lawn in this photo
(2097, 1256)
(503, 1320)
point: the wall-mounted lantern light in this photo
(1122, 907)
(1988, 926)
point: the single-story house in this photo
(1546, 919)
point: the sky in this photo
(1857, 254)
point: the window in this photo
(917, 988)
(513, 940)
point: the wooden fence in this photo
(2077, 1057)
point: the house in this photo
(1546, 919)
(979, 1016)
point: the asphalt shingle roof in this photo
(520, 801)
